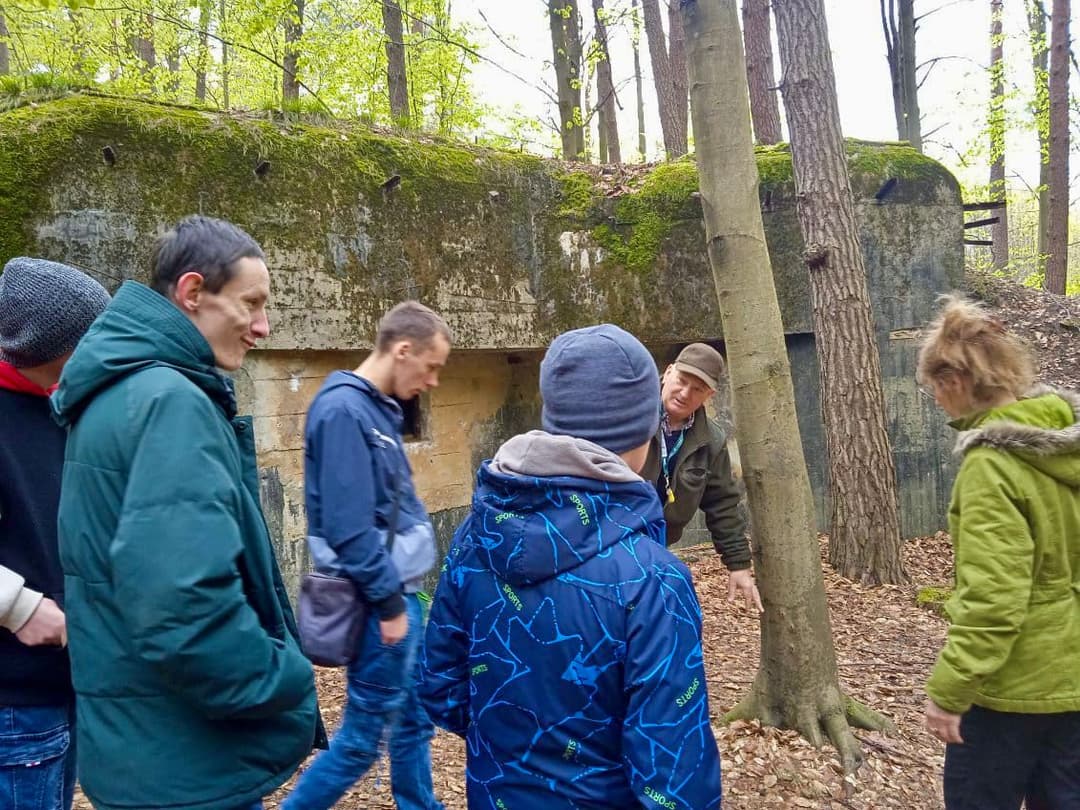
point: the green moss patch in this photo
(933, 598)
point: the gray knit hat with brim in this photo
(600, 384)
(45, 309)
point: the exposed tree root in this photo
(828, 719)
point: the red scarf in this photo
(12, 380)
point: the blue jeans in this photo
(37, 757)
(382, 703)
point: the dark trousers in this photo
(1008, 758)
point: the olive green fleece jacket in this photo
(702, 479)
(1014, 635)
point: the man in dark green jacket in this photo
(191, 689)
(691, 467)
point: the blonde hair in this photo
(967, 340)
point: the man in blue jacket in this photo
(564, 642)
(358, 489)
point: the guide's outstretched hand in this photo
(741, 583)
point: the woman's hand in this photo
(942, 724)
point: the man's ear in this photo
(187, 291)
(401, 349)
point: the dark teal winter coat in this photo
(192, 691)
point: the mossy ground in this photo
(933, 598)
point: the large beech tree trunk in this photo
(397, 81)
(566, 51)
(605, 91)
(757, 37)
(796, 684)
(864, 539)
(999, 231)
(1057, 229)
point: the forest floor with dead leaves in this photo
(885, 647)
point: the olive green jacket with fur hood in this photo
(1014, 639)
(702, 479)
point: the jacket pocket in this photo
(33, 735)
(694, 478)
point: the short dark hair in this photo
(202, 245)
(410, 320)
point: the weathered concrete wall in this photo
(512, 249)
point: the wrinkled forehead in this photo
(677, 375)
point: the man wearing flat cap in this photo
(45, 308)
(691, 467)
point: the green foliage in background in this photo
(159, 48)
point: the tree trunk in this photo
(892, 54)
(203, 53)
(566, 49)
(294, 30)
(601, 137)
(605, 91)
(5, 57)
(757, 38)
(899, 30)
(864, 540)
(1057, 231)
(586, 152)
(79, 44)
(639, 85)
(999, 231)
(672, 111)
(1040, 110)
(142, 43)
(796, 684)
(222, 10)
(396, 77)
(908, 81)
(680, 79)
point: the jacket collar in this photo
(12, 380)
(988, 429)
(139, 329)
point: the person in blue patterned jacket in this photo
(564, 642)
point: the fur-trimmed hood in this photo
(1043, 429)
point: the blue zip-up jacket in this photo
(353, 462)
(564, 641)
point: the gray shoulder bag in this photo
(331, 613)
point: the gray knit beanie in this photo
(599, 383)
(45, 309)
